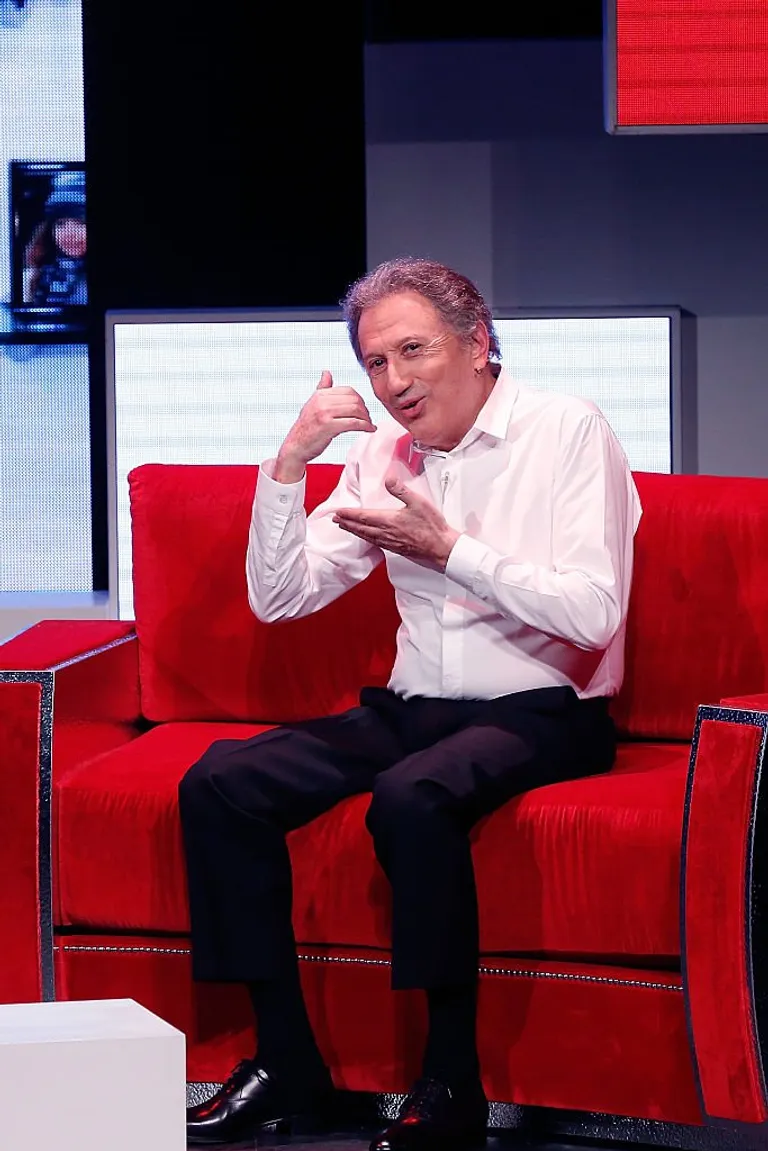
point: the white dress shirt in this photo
(536, 587)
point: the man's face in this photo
(70, 236)
(421, 372)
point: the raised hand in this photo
(417, 530)
(328, 413)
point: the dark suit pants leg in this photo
(236, 804)
(424, 806)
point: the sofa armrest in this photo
(756, 702)
(57, 641)
(724, 903)
(67, 689)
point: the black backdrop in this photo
(225, 165)
(225, 152)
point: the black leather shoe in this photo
(433, 1118)
(251, 1100)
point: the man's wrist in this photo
(447, 544)
(289, 468)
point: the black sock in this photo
(451, 1051)
(286, 1042)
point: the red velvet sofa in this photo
(623, 962)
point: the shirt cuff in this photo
(282, 499)
(465, 562)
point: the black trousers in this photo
(434, 767)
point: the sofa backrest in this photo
(698, 616)
(697, 631)
(202, 654)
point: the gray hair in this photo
(455, 298)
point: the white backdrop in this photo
(45, 482)
(216, 390)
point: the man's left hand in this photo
(417, 530)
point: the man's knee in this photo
(197, 780)
(401, 800)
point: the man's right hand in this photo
(327, 413)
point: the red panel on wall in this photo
(688, 63)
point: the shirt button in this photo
(283, 499)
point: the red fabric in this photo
(53, 641)
(585, 868)
(550, 1034)
(118, 817)
(76, 743)
(157, 972)
(96, 707)
(698, 620)
(204, 656)
(588, 1038)
(716, 959)
(589, 868)
(19, 895)
(688, 641)
(758, 702)
(100, 687)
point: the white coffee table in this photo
(100, 1075)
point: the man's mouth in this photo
(412, 408)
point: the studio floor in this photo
(360, 1141)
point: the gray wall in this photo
(494, 157)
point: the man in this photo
(506, 519)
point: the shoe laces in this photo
(423, 1098)
(232, 1083)
(238, 1075)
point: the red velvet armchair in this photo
(623, 984)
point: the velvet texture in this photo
(96, 709)
(716, 959)
(756, 702)
(578, 883)
(588, 868)
(550, 1034)
(19, 761)
(48, 644)
(687, 642)
(118, 817)
(100, 686)
(698, 619)
(204, 656)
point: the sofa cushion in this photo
(202, 654)
(588, 868)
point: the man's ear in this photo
(480, 343)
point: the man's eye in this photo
(412, 347)
(375, 365)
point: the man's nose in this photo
(398, 380)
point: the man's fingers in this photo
(326, 381)
(398, 489)
(351, 424)
(343, 403)
(350, 516)
(362, 517)
(347, 397)
(372, 535)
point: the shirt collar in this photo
(495, 414)
(492, 419)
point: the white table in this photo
(100, 1075)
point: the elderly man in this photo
(506, 519)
